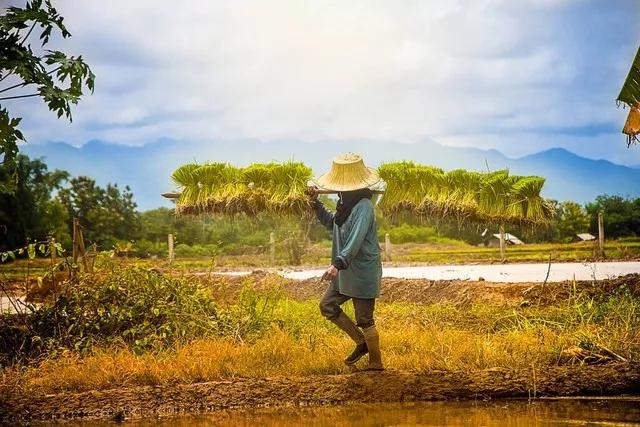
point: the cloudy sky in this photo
(519, 76)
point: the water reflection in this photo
(494, 413)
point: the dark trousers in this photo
(332, 300)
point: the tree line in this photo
(46, 201)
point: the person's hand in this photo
(331, 273)
(312, 192)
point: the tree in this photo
(55, 77)
(31, 212)
(570, 219)
(621, 215)
(106, 214)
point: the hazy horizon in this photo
(518, 77)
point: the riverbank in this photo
(391, 386)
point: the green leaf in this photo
(31, 251)
(630, 92)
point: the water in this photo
(9, 304)
(596, 412)
(511, 273)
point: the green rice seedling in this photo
(526, 202)
(419, 190)
(461, 195)
(219, 188)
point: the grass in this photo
(292, 339)
(582, 251)
(443, 252)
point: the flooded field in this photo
(512, 273)
(595, 412)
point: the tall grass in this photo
(275, 336)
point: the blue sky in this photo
(518, 76)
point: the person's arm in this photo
(363, 219)
(324, 216)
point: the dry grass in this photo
(299, 342)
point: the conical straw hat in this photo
(348, 173)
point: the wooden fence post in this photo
(601, 233)
(502, 243)
(272, 248)
(170, 245)
(387, 247)
(74, 253)
(79, 250)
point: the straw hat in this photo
(348, 173)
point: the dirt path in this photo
(391, 386)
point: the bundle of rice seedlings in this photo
(220, 188)
(463, 188)
(461, 195)
(526, 204)
(418, 190)
(410, 187)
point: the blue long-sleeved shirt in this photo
(355, 250)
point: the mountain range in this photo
(147, 169)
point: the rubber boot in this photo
(373, 344)
(346, 324)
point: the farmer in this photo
(355, 269)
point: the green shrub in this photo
(135, 307)
(406, 233)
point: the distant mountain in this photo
(147, 169)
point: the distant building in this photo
(586, 237)
(509, 239)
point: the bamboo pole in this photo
(176, 195)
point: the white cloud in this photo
(483, 72)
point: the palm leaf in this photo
(630, 95)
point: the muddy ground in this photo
(422, 291)
(364, 387)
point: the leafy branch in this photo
(33, 249)
(57, 78)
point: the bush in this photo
(406, 233)
(139, 308)
(146, 248)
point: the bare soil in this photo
(422, 291)
(364, 387)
